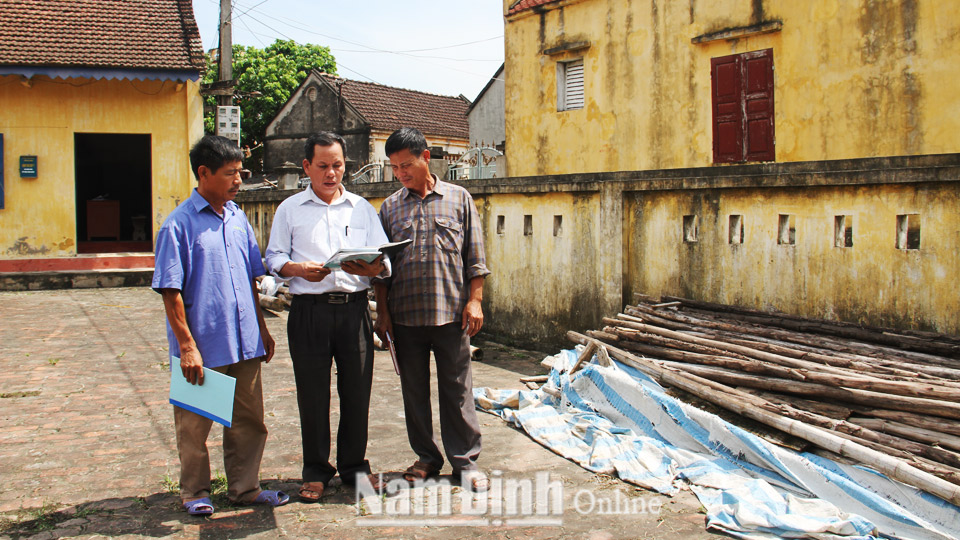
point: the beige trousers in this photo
(242, 443)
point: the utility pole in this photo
(225, 54)
(228, 116)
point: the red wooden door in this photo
(742, 92)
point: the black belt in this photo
(331, 297)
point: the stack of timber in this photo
(886, 399)
(273, 295)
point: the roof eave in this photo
(99, 73)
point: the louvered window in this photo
(570, 85)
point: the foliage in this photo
(265, 78)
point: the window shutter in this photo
(758, 105)
(726, 89)
(572, 85)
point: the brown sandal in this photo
(475, 481)
(310, 492)
(420, 471)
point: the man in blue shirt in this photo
(206, 263)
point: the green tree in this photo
(265, 78)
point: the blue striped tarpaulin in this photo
(618, 421)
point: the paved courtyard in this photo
(87, 446)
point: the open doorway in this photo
(114, 178)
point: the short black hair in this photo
(323, 138)
(407, 138)
(213, 152)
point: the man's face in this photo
(326, 171)
(221, 185)
(412, 170)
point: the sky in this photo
(447, 47)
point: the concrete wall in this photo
(622, 233)
(39, 215)
(858, 78)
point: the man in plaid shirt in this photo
(432, 302)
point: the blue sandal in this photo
(199, 507)
(272, 498)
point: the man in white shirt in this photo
(329, 318)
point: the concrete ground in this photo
(87, 446)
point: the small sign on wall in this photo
(28, 166)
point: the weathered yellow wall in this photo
(541, 284)
(852, 79)
(871, 282)
(39, 215)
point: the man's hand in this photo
(363, 268)
(383, 325)
(472, 317)
(269, 345)
(192, 366)
(311, 271)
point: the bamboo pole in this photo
(924, 389)
(920, 420)
(800, 345)
(915, 433)
(892, 467)
(945, 409)
(730, 347)
(935, 343)
(730, 333)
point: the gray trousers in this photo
(459, 427)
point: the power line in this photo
(299, 26)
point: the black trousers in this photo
(459, 427)
(318, 333)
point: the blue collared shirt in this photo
(212, 260)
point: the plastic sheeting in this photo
(616, 420)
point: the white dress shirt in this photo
(307, 229)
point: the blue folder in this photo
(213, 399)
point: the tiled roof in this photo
(389, 108)
(523, 5)
(124, 34)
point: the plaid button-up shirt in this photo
(431, 276)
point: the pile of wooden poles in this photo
(273, 295)
(890, 400)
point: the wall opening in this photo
(691, 228)
(787, 230)
(735, 232)
(114, 179)
(843, 231)
(500, 224)
(557, 225)
(528, 225)
(908, 231)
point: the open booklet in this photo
(366, 253)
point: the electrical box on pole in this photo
(228, 122)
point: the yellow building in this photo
(99, 109)
(790, 156)
(619, 85)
